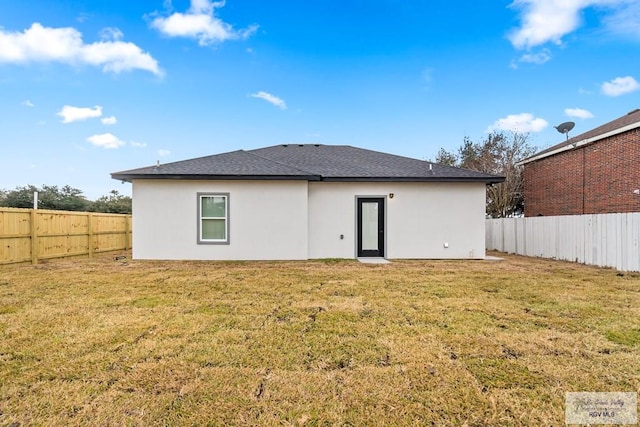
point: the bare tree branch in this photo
(497, 154)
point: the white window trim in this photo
(202, 241)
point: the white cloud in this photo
(536, 58)
(620, 86)
(27, 103)
(83, 17)
(272, 99)
(544, 21)
(523, 122)
(106, 140)
(168, 5)
(138, 144)
(624, 20)
(111, 120)
(111, 33)
(205, 7)
(71, 114)
(65, 45)
(164, 153)
(200, 23)
(578, 113)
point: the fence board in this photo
(27, 235)
(606, 240)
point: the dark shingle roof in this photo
(235, 163)
(313, 162)
(631, 118)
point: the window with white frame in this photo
(213, 218)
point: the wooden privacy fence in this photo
(28, 235)
(606, 240)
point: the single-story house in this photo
(306, 201)
(595, 172)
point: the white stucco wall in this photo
(420, 219)
(300, 220)
(268, 220)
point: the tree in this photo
(113, 203)
(66, 198)
(497, 154)
(21, 197)
(446, 158)
(49, 197)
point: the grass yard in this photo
(472, 343)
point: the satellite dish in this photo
(565, 128)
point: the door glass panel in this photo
(370, 226)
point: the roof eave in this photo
(580, 143)
(487, 180)
(125, 177)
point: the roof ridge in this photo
(202, 157)
(281, 163)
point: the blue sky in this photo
(89, 87)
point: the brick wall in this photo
(596, 178)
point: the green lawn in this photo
(331, 342)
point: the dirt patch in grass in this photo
(328, 342)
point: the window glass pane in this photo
(214, 207)
(214, 229)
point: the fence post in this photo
(90, 231)
(126, 233)
(34, 236)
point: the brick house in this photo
(592, 173)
